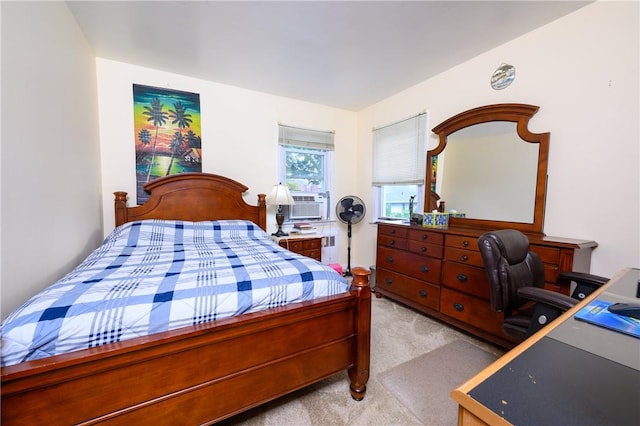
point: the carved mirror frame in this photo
(519, 114)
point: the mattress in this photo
(156, 275)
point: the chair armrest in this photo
(585, 283)
(583, 277)
(547, 297)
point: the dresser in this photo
(439, 272)
(310, 246)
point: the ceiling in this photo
(345, 54)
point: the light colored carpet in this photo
(424, 383)
(398, 335)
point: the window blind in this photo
(306, 138)
(399, 152)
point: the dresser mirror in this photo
(491, 167)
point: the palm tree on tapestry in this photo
(145, 138)
(193, 140)
(156, 114)
(183, 119)
(180, 117)
(176, 147)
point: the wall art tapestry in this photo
(167, 134)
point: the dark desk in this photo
(570, 373)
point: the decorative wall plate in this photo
(503, 76)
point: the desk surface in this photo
(571, 371)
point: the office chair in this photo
(516, 281)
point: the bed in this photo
(213, 369)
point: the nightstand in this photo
(310, 245)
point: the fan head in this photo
(350, 209)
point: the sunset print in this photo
(166, 134)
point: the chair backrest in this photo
(510, 265)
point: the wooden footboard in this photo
(199, 374)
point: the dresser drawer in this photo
(469, 243)
(393, 241)
(414, 265)
(547, 254)
(466, 256)
(393, 231)
(473, 311)
(410, 288)
(465, 278)
(427, 249)
(426, 236)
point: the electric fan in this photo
(350, 210)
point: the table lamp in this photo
(280, 196)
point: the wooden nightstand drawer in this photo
(312, 243)
(293, 245)
(314, 254)
(310, 246)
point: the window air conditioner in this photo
(307, 206)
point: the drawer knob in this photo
(422, 293)
(392, 242)
(464, 258)
(423, 249)
(389, 259)
(465, 243)
(424, 268)
(388, 281)
(458, 307)
(424, 236)
(393, 231)
(461, 277)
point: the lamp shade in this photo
(280, 196)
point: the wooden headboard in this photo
(193, 197)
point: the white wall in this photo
(239, 133)
(51, 201)
(583, 72)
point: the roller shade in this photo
(399, 152)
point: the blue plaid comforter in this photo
(151, 276)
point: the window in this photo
(395, 199)
(305, 169)
(399, 155)
(305, 164)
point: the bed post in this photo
(120, 203)
(359, 371)
(262, 211)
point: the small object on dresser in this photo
(435, 220)
(416, 218)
